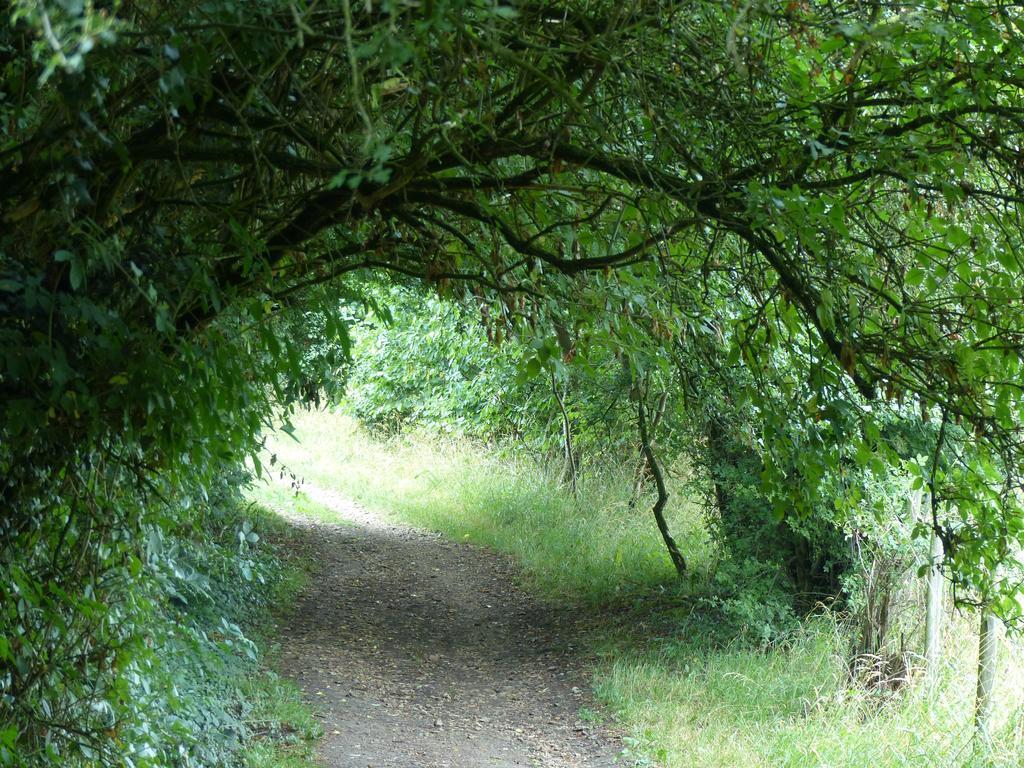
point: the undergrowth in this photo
(283, 727)
(223, 579)
(148, 647)
(683, 668)
(218, 580)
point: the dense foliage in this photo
(133, 654)
(815, 206)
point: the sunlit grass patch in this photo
(592, 549)
(282, 498)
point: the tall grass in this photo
(680, 700)
(793, 706)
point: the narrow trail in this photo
(419, 652)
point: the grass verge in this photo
(284, 727)
(681, 700)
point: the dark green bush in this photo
(131, 651)
(748, 600)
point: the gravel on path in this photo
(420, 652)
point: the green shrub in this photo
(147, 665)
(747, 601)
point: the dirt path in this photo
(422, 653)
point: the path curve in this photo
(419, 652)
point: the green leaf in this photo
(9, 737)
(76, 275)
(914, 277)
(1008, 259)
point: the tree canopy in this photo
(832, 189)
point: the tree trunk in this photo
(659, 481)
(934, 615)
(643, 468)
(988, 660)
(571, 470)
(918, 505)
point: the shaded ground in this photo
(420, 652)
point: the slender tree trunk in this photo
(659, 481)
(934, 614)
(918, 507)
(571, 470)
(643, 468)
(639, 480)
(988, 662)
